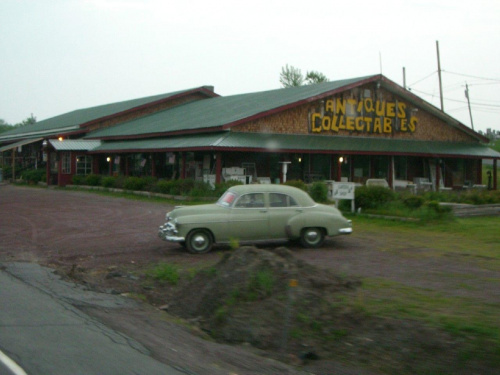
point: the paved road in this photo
(44, 333)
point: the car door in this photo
(249, 218)
(281, 208)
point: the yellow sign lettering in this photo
(387, 125)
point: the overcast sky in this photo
(60, 55)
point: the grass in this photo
(163, 272)
(475, 323)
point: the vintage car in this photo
(254, 213)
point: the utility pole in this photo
(404, 77)
(439, 75)
(468, 102)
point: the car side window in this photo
(253, 200)
(281, 200)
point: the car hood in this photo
(203, 209)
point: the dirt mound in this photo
(295, 311)
(252, 295)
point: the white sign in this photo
(343, 190)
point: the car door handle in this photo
(263, 211)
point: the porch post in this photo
(153, 165)
(390, 175)
(438, 174)
(183, 166)
(218, 168)
(47, 166)
(495, 174)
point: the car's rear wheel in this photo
(312, 237)
(199, 241)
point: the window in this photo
(83, 165)
(66, 163)
(281, 200)
(254, 200)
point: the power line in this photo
(471, 76)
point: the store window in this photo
(66, 163)
(401, 167)
(83, 165)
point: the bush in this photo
(78, 180)
(413, 201)
(93, 180)
(319, 192)
(297, 183)
(134, 183)
(108, 181)
(164, 186)
(201, 189)
(34, 176)
(368, 197)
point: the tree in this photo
(314, 77)
(292, 77)
(28, 121)
(4, 126)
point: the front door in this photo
(249, 218)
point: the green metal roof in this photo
(74, 144)
(238, 141)
(220, 112)
(19, 144)
(71, 121)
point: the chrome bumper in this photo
(168, 232)
(345, 230)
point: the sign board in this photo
(343, 190)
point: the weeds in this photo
(164, 272)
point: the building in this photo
(350, 130)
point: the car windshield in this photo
(227, 199)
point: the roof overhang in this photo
(304, 143)
(19, 144)
(74, 144)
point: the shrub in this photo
(93, 180)
(319, 192)
(164, 186)
(108, 181)
(413, 201)
(368, 197)
(297, 183)
(201, 189)
(78, 180)
(34, 176)
(134, 183)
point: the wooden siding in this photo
(298, 121)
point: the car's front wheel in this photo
(312, 237)
(199, 241)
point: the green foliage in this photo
(201, 189)
(368, 197)
(134, 183)
(108, 181)
(78, 180)
(299, 184)
(93, 180)
(413, 201)
(291, 76)
(319, 192)
(261, 285)
(34, 176)
(164, 272)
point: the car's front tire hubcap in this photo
(200, 241)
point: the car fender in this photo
(308, 220)
(216, 224)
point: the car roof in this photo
(301, 196)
